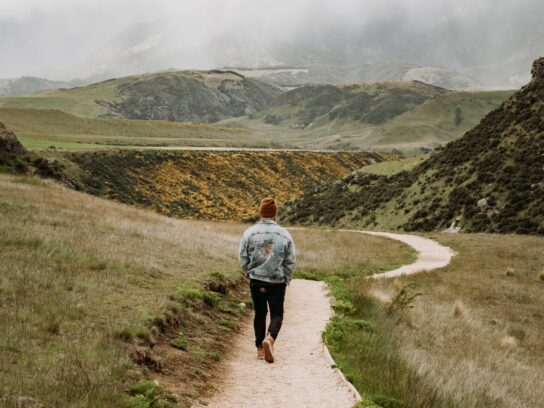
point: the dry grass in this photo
(465, 358)
(346, 254)
(78, 274)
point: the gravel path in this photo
(302, 375)
(431, 255)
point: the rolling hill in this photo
(198, 96)
(490, 180)
(401, 115)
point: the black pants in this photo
(266, 295)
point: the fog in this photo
(64, 39)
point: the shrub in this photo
(405, 298)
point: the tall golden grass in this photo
(494, 355)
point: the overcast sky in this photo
(39, 34)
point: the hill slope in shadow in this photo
(491, 180)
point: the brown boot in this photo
(268, 347)
(260, 353)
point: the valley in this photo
(402, 151)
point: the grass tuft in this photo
(179, 343)
(508, 342)
(229, 324)
(458, 309)
(190, 294)
(211, 299)
(149, 394)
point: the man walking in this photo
(267, 256)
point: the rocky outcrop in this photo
(537, 72)
(13, 156)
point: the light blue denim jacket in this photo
(267, 253)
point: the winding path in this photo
(302, 375)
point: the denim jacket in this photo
(267, 253)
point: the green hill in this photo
(491, 180)
(198, 96)
(388, 116)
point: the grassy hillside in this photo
(437, 121)
(97, 297)
(197, 96)
(388, 116)
(209, 185)
(490, 179)
(40, 128)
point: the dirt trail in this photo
(302, 375)
(431, 255)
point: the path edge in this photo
(326, 351)
(329, 357)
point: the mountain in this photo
(394, 115)
(383, 71)
(483, 47)
(28, 85)
(199, 96)
(490, 180)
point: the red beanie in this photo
(267, 209)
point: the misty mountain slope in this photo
(398, 115)
(491, 179)
(200, 96)
(379, 71)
